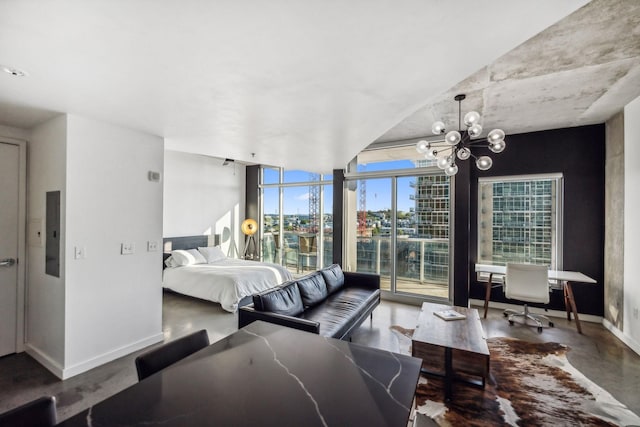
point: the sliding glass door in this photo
(422, 243)
(369, 228)
(398, 226)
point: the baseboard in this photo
(549, 313)
(630, 342)
(406, 299)
(42, 358)
(67, 372)
(111, 355)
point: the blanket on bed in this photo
(226, 281)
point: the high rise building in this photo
(432, 206)
(517, 221)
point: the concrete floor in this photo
(596, 353)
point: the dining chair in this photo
(40, 412)
(527, 283)
(159, 358)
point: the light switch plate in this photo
(152, 246)
(127, 248)
(80, 252)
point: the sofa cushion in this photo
(338, 312)
(333, 277)
(312, 289)
(282, 300)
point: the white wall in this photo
(203, 197)
(45, 337)
(16, 133)
(631, 225)
(113, 301)
(104, 305)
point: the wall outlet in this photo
(127, 248)
(79, 252)
(152, 246)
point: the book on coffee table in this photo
(449, 315)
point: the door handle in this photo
(7, 262)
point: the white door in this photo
(9, 211)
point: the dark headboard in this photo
(187, 242)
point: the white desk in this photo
(564, 277)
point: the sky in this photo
(296, 199)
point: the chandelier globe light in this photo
(457, 144)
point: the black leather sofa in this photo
(328, 302)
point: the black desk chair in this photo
(159, 358)
(37, 413)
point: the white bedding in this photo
(226, 281)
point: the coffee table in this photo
(452, 349)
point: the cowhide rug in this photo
(530, 384)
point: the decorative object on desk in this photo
(531, 384)
(249, 227)
(458, 143)
(449, 315)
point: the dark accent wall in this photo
(579, 154)
(461, 221)
(252, 207)
(338, 212)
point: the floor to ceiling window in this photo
(397, 210)
(297, 218)
(326, 232)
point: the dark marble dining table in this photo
(268, 375)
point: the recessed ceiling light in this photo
(14, 71)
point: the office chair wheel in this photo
(540, 329)
(511, 322)
(505, 314)
(551, 325)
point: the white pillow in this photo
(187, 257)
(212, 253)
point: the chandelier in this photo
(458, 143)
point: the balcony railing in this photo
(299, 256)
(419, 259)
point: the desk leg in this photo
(572, 302)
(567, 304)
(448, 373)
(487, 295)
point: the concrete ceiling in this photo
(579, 71)
(308, 84)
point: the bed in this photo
(215, 277)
